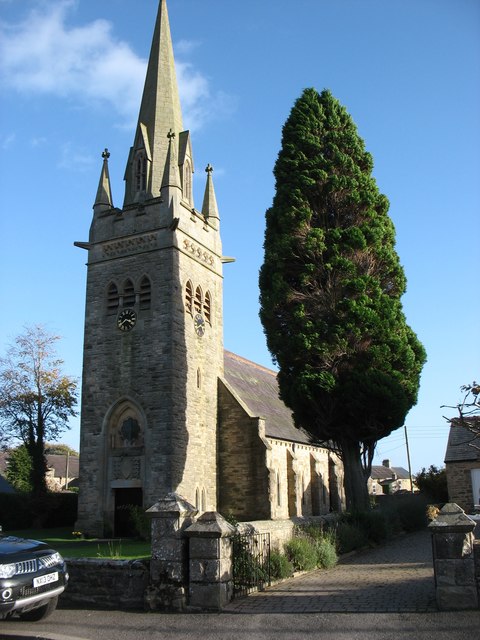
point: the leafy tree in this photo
(60, 449)
(19, 469)
(433, 483)
(36, 398)
(330, 289)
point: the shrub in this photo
(280, 566)
(374, 524)
(349, 537)
(19, 511)
(405, 512)
(302, 553)
(326, 553)
(433, 483)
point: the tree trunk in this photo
(355, 481)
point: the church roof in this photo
(257, 388)
(460, 441)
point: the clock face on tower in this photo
(126, 319)
(199, 324)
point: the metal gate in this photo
(251, 562)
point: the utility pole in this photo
(408, 458)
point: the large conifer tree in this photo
(330, 289)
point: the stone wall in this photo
(459, 481)
(243, 483)
(106, 584)
(281, 531)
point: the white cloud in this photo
(7, 140)
(43, 54)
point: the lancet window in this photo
(145, 295)
(113, 299)
(128, 294)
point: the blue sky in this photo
(408, 71)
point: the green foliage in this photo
(36, 399)
(326, 553)
(19, 469)
(349, 537)
(302, 553)
(20, 510)
(374, 524)
(280, 566)
(433, 483)
(69, 545)
(330, 289)
(142, 524)
(15, 511)
(249, 569)
(60, 449)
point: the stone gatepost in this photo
(211, 562)
(453, 559)
(169, 564)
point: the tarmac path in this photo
(396, 577)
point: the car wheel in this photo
(41, 612)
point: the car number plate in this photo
(46, 579)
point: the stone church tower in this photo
(153, 343)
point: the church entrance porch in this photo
(125, 498)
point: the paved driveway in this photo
(397, 577)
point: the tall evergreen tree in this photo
(330, 289)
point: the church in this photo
(164, 407)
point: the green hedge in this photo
(21, 511)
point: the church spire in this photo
(160, 112)
(103, 200)
(209, 206)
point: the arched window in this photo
(198, 300)
(145, 293)
(279, 491)
(204, 499)
(113, 299)
(141, 172)
(128, 294)
(207, 307)
(189, 297)
(197, 499)
(199, 379)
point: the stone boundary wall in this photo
(100, 583)
(281, 531)
(106, 584)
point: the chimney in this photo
(386, 463)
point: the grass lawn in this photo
(70, 546)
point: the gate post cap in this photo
(171, 504)
(211, 525)
(451, 519)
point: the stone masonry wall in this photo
(243, 484)
(106, 584)
(460, 483)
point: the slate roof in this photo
(257, 388)
(459, 448)
(380, 472)
(54, 461)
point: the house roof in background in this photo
(58, 462)
(380, 472)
